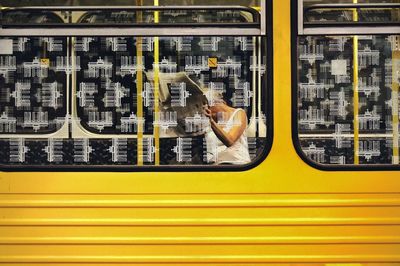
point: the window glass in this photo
(245, 17)
(254, 3)
(347, 94)
(132, 101)
(342, 14)
(313, 2)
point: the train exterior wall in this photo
(282, 212)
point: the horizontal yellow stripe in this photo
(187, 200)
(199, 221)
(201, 240)
(203, 259)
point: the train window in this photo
(346, 84)
(134, 87)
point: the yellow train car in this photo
(199, 133)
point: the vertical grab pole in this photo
(139, 91)
(253, 119)
(355, 92)
(395, 98)
(263, 17)
(260, 123)
(300, 16)
(156, 90)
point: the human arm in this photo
(237, 130)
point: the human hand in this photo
(207, 112)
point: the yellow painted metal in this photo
(283, 212)
(317, 228)
(321, 229)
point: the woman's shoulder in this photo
(239, 111)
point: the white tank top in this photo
(218, 153)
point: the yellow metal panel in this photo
(197, 200)
(219, 264)
(281, 213)
(198, 235)
(198, 253)
(206, 229)
(195, 235)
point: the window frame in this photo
(264, 30)
(298, 29)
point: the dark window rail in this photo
(357, 8)
(254, 22)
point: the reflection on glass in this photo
(206, 113)
(313, 2)
(343, 102)
(363, 15)
(211, 17)
(33, 93)
(126, 2)
(169, 16)
(132, 101)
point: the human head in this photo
(216, 100)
